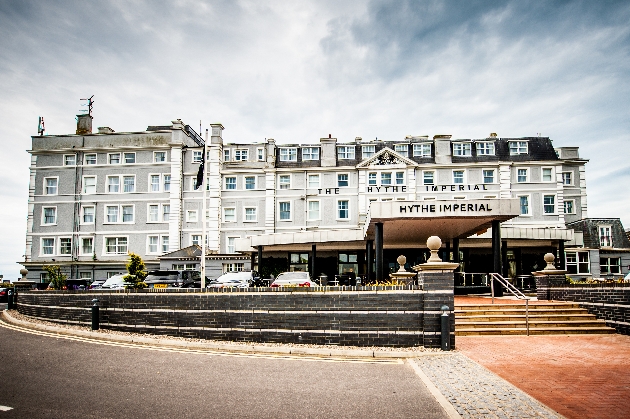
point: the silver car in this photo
(293, 279)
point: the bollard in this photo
(95, 313)
(10, 298)
(446, 328)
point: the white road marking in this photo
(5, 408)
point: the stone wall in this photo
(610, 302)
(361, 316)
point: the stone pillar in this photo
(313, 257)
(438, 283)
(496, 255)
(369, 258)
(378, 241)
(549, 278)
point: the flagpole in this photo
(204, 186)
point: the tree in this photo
(137, 274)
(57, 279)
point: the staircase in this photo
(545, 318)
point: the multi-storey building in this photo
(328, 207)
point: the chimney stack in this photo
(84, 124)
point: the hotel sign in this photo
(501, 208)
(446, 208)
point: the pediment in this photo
(387, 157)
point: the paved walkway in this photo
(579, 376)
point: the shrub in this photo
(137, 273)
(57, 278)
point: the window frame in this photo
(340, 180)
(125, 154)
(65, 159)
(402, 149)
(462, 149)
(225, 218)
(83, 184)
(151, 184)
(601, 238)
(226, 183)
(340, 210)
(192, 216)
(463, 172)
(529, 206)
(280, 211)
(157, 153)
(309, 211)
(517, 150)
(197, 156)
(110, 158)
(551, 174)
(241, 154)
(82, 246)
(247, 184)
(82, 219)
(260, 154)
(310, 153)
(604, 268)
(159, 213)
(226, 155)
(570, 178)
(43, 220)
(518, 177)
(124, 183)
(577, 262)
(485, 148)
(108, 185)
(348, 153)
(424, 177)
(368, 154)
(545, 205)
(68, 246)
(401, 178)
(308, 180)
(483, 176)
(419, 149)
(245, 215)
(284, 185)
(288, 154)
(166, 180)
(53, 247)
(45, 190)
(372, 179)
(87, 159)
(564, 205)
(105, 245)
(230, 242)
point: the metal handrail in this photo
(517, 293)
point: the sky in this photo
(298, 71)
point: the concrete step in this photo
(520, 312)
(543, 324)
(555, 306)
(522, 317)
(534, 331)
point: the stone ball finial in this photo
(23, 272)
(434, 243)
(549, 258)
(401, 263)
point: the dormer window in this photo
(310, 153)
(461, 149)
(368, 151)
(605, 238)
(240, 155)
(517, 147)
(402, 149)
(422, 150)
(288, 154)
(345, 152)
(485, 148)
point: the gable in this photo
(387, 157)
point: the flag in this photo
(201, 172)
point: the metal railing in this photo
(515, 291)
(192, 134)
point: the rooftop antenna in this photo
(40, 126)
(89, 104)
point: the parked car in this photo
(76, 284)
(294, 279)
(4, 295)
(115, 282)
(97, 284)
(171, 279)
(232, 279)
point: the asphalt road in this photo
(48, 377)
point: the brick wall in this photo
(610, 302)
(364, 316)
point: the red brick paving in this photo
(579, 376)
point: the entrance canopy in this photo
(405, 224)
(408, 223)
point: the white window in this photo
(153, 213)
(422, 150)
(342, 179)
(521, 175)
(167, 182)
(610, 265)
(343, 210)
(159, 156)
(49, 215)
(488, 175)
(111, 213)
(229, 215)
(113, 158)
(87, 216)
(164, 244)
(154, 181)
(547, 174)
(233, 267)
(65, 246)
(605, 238)
(313, 210)
(524, 204)
(578, 262)
(428, 177)
(313, 181)
(230, 182)
(345, 152)
(127, 213)
(129, 184)
(400, 178)
(284, 211)
(288, 154)
(226, 155)
(87, 245)
(191, 216)
(240, 154)
(567, 178)
(89, 184)
(50, 185)
(48, 246)
(86, 275)
(386, 178)
(402, 149)
(285, 181)
(90, 159)
(485, 148)
(196, 156)
(250, 214)
(368, 151)
(250, 182)
(69, 160)
(461, 149)
(310, 153)
(261, 154)
(153, 244)
(231, 248)
(549, 204)
(195, 239)
(372, 178)
(166, 212)
(116, 245)
(569, 206)
(113, 184)
(517, 147)
(129, 158)
(458, 176)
